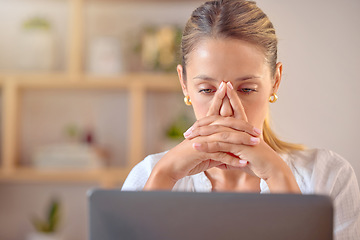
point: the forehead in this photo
(226, 57)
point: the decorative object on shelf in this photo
(47, 229)
(159, 48)
(79, 152)
(67, 156)
(72, 133)
(36, 50)
(104, 56)
(102, 153)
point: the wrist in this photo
(282, 180)
(160, 180)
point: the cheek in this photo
(256, 110)
(200, 105)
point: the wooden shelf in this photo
(155, 81)
(142, 1)
(136, 85)
(106, 176)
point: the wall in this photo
(318, 98)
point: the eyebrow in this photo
(207, 78)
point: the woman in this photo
(229, 74)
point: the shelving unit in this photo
(135, 84)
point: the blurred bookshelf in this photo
(72, 75)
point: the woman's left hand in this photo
(222, 134)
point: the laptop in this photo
(212, 216)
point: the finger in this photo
(206, 121)
(228, 159)
(230, 136)
(228, 167)
(238, 108)
(216, 128)
(226, 121)
(211, 125)
(216, 147)
(201, 122)
(207, 131)
(217, 100)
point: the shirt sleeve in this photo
(139, 175)
(342, 186)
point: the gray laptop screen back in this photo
(211, 216)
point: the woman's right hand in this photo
(184, 160)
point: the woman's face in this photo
(235, 61)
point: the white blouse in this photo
(317, 171)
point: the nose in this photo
(226, 109)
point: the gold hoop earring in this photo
(187, 100)
(273, 98)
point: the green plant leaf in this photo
(36, 23)
(50, 224)
(53, 216)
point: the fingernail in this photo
(257, 131)
(254, 140)
(243, 161)
(230, 85)
(196, 145)
(188, 132)
(221, 85)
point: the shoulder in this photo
(318, 159)
(139, 175)
(322, 171)
(319, 170)
(149, 162)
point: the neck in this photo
(232, 180)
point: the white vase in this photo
(43, 236)
(36, 50)
(104, 56)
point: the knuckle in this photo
(222, 156)
(215, 127)
(231, 160)
(195, 132)
(225, 135)
(216, 146)
(200, 131)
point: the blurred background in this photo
(88, 88)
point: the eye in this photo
(247, 90)
(206, 91)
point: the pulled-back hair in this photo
(235, 19)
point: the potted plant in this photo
(46, 229)
(174, 133)
(36, 50)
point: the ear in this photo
(179, 69)
(277, 77)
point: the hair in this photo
(242, 20)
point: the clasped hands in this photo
(223, 142)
